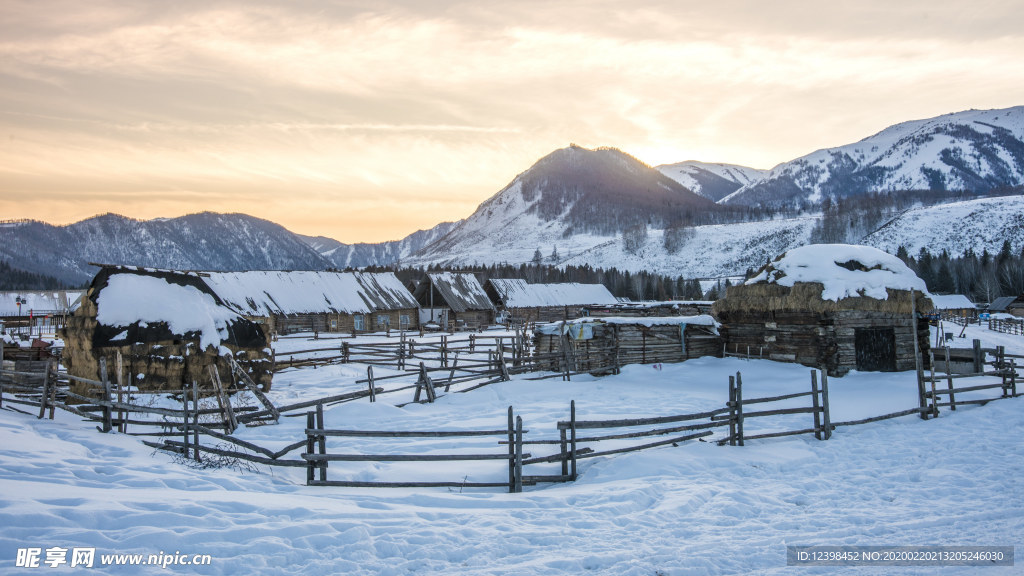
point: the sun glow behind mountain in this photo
(364, 122)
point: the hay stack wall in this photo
(169, 329)
(835, 306)
(596, 344)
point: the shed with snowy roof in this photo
(832, 306)
(169, 329)
(602, 345)
(453, 300)
(311, 301)
(525, 302)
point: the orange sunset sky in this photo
(365, 121)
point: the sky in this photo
(366, 121)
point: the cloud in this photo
(328, 103)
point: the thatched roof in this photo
(827, 278)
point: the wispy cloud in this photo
(436, 107)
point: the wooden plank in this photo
(403, 457)
(407, 433)
(646, 446)
(625, 423)
(880, 418)
(358, 484)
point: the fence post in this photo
(511, 452)
(122, 427)
(519, 454)
(46, 392)
(310, 447)
(195, 420)
(444, 351)
(732, 410)
(935, 397)
(739, 409)
(826, 414)
(344, 353)
(979, 358)
(472, 343)
(107, 425)
(451, 374)
(185, 432)
(369, 379)
(815, 404)
(1013, 377)
(949, 376)
(563, 452)
(572, 436)
(322, 441)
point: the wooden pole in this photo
(826, 414)
(732, 410)
(51, 376)
(107, 425)
(519, 454)
(195, 420)
(184, 422)
(739, 409)
(511, 452)
(321, 441)
(949, 377)
(369, 379)
(979, 358)
(572, 436)
(935, 397)
(917, 357)
(814, 403)
(310, 447)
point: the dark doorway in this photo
(876, 349)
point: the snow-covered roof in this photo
(951, 302)
(1001, 304)
(460, 291)
(308, 292)
(698, 320)
(516, 293)
(41, 301)
(129, 299)
(845, 271)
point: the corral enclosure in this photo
(167, 328)
(605, 344)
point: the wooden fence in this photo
(1007, 326)
(318, 458)
(938, 390)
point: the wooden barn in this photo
(831, 306)
(307, 301)
(653, 308)
(169, 329)
(523, 302)
(454, 301)
(605, 344)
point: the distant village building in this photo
(1007, 305)
(603, 344)
(652, 309)
(37, 311)
(308, 301)
(956, 305)
(525, 302)
(830, 306)
(453, 301)
(169, 329)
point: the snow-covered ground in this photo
(698, 508)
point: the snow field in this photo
(694, 509)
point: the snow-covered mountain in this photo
(380, 254)
(569, 201)
(712, 181)
(976, 150)
(206, 241)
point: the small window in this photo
(403, 321)
(360, 323)
(383, 321)
(334, 324)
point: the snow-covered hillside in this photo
(977, 224)
(712, 181)
(973, 150)
(380, 254)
